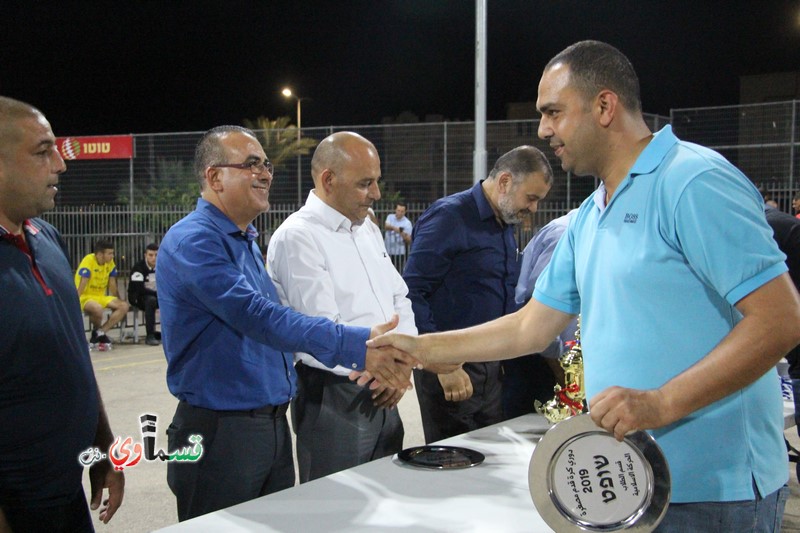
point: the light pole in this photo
(287, 92)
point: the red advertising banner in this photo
(107, 147)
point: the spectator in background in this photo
(397, 235)
(96, 281)
(769, 199)
(143, 294)
(796, 204)
(786, 231)
(50, 406)
(328, 260)
(461, 271)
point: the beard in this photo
(508, 213)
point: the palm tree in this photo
(174, 182)
(279, 139)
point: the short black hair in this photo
(595, 65)
(152, 246)
(12, 111)
(102, 245)
(521, 162)
(209, 151)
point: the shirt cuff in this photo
(559, 305)
(353, 354)
(755, 282)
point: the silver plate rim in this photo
(549, 447)
(476, 458)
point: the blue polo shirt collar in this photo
(484, 208)
(655, 152)
(225, 224)
(647, 163)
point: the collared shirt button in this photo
(354, 366)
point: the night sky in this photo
(163, 66)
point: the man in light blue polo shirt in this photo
(685, 301)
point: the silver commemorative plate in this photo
(582, 479)
(441, 457)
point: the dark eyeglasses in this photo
(256, 167)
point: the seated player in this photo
(96, 281)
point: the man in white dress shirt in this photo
(328, 259)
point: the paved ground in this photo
(132, 382)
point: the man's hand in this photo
(102, 475)
(456, 385)
(382, 396)
(386, 397)
(380, 329)
(405, 343)
(622, 411)
(388, 365)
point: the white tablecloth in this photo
(387, 495)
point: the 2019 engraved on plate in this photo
(582, 479)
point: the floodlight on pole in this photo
(288, 93)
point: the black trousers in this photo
(525, 380)
(246, 454)
(337, 425)
(72, 517)
(442, 419)
(150, 304)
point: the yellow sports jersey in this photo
(97, 275)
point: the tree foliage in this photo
(279, 139)
(174, 182)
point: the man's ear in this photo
(606, 106)
(504, 181)
(326, 179)
(213, 179)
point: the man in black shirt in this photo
(142, 292)
(786, 231)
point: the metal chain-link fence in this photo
(135, 202)
(760, 139)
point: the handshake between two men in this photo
(388, 367)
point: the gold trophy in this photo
(569, 400)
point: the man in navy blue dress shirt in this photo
(50, 407)
(228, 341)
(462, 271)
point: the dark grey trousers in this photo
(442, 419)
(338, 426)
